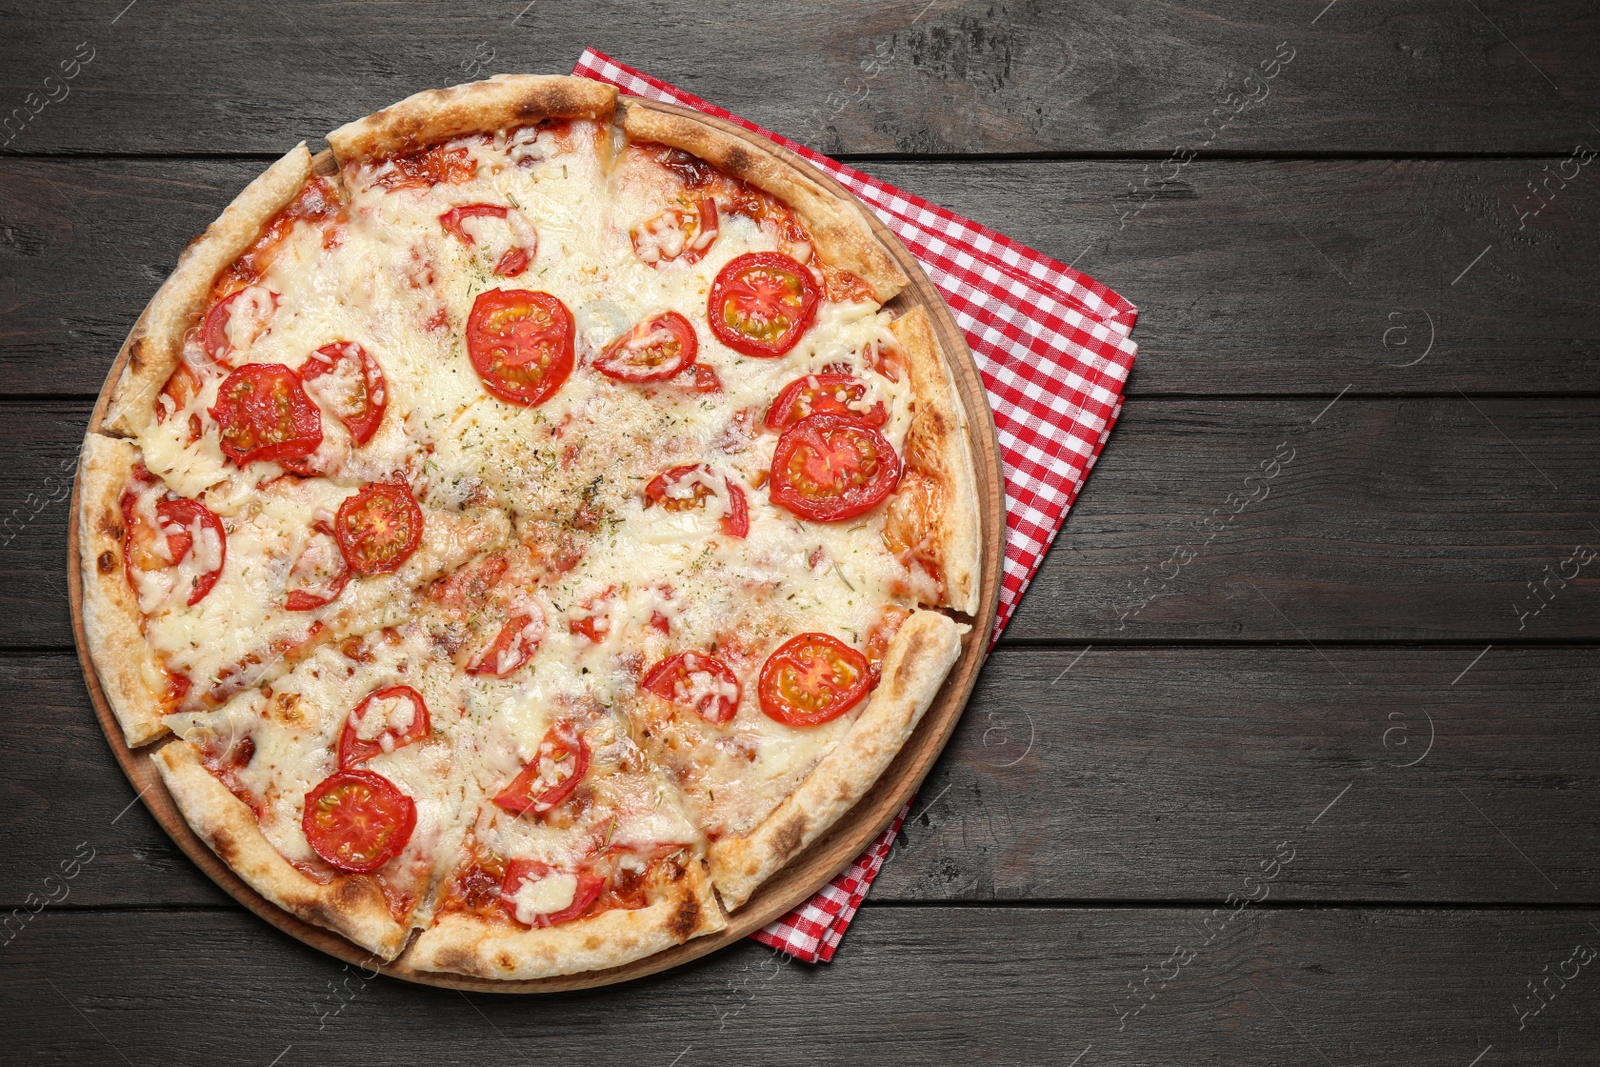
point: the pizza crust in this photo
(839, 226)
(477, 107)
(351, 905)
(938, 446)
(111, 620)
(469, 945)
(156, 343)
(913, 670)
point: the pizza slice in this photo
(577, 855)
(275, 347)
(336, 792)
(201, 598)
(580, 857)
(829, 716)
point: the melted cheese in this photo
(604, 236)
(544, 896)
(241, 634)
(248, 315)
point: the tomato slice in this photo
(881, 635)
(386, 719)
(265, 414)
(516, 246)
(812, 679)
(677, 235)
(828, 467)
(554, 772)
(320, 573)
(513, 263)
(689, 487)
(696, 681)
(824, 394)
(761, 303)
(378, 527)
(520, 872)
(451, 220)
(352, 385)
(357, 820)
(215, 335)
(653, 351)
(589, 618)
(512, 646)
(520, 343)
(702, 379)
(178, 520)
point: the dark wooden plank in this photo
(43, 439)
(912, 76)
(1261, 277)
(71, 801)
(910, 986)
(1078, 784)
(1170, 773)
(1394, 519)
(1227, 265)
(83, 247)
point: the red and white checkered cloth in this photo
(1052, 346)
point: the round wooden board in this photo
(809, 870)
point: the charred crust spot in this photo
(412, 130)
(684, 919)
(787, 838)
(505, 961)
(136, 353)
(591, 942)
(738, 160)
(223, 844)
(912, 656)
(545, 102)
(345, 897)
(452, 958)
(107, 561)
(353, 891)
(111, 525)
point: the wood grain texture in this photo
(1395, 520)
(956, 76)
(1142, 775)
(927, 985)
(1252, 277)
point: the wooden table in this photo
(1319, 787)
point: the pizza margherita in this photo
(527, 532)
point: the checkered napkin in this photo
(1052, 346)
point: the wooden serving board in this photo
(809, 870)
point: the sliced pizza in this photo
(197, 599)
(534, 524)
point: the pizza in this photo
(521, 533)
